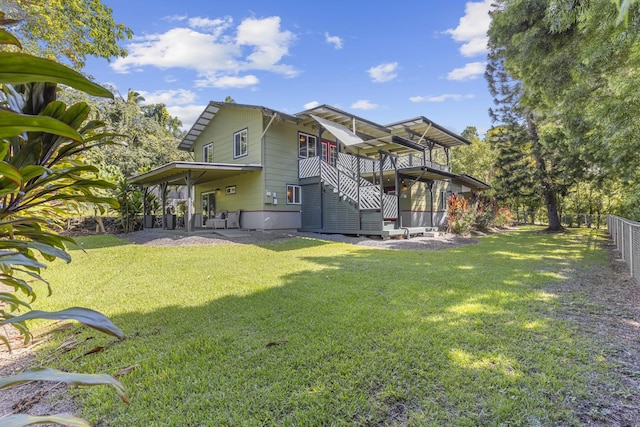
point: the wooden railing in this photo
(344, 178)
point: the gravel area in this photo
(157, 237)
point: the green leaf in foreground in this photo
(13, 124)
(54, 375)
(20, 420)
(87, 316)
(18, 68)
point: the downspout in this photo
(381, 160)
(263, 157)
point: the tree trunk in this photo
(550, 198)
(99, 225)
(551, 201)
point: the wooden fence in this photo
(626, 236)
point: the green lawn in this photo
(464, 336)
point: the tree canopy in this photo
(67, 30)
(563, 76)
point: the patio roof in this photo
(392, 143)
(175, 173)
(471, 182)
(421, 130)
(365, 129)
(425, 173)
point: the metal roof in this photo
(175, 173)
(472, 182)
(421, 130)
(416, 133)
(364, 128)
(212, 109)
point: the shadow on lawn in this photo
(373, 338)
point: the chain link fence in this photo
(626, 236)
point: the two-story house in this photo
(321, 170)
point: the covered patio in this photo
(189, 174)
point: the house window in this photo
(207, 153)
(293, 194)
(306, 146)
(240, 144)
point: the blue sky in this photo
(384, 61)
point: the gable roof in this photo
(212, 109)
(416, 133)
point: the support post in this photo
(430, 184)
(187, 220)
(163, 193)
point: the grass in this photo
(464, 336)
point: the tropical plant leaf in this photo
(47, 374)
(8, 258)
(20, 420)
(87, 316)
(14, 124)
(6, 37)
(20, 68)
(10, 172)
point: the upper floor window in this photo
(306, 145)
(207, 153)
(240, 143)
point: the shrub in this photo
(503, 218)
(460, 217)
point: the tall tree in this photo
(67, 30)
(475, 159)
(531, 64)
(152, 134)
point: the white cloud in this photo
(440, 98)
(187, 114)
(222, 81)
(472, 28)
(470, 71)
(383, 72)
(310, 105)
(334, 40)
(215, 24)
(364, 104)
(214, 50)
(174, 18)
(169, 97)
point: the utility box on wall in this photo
(271, 198)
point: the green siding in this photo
(281, 159)
(225, 123)
(247, 197)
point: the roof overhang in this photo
(391, 143)
(422, 131)
(471, 182)
(210, 112)
(365, 129)
(425, 173)
(176, 173)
